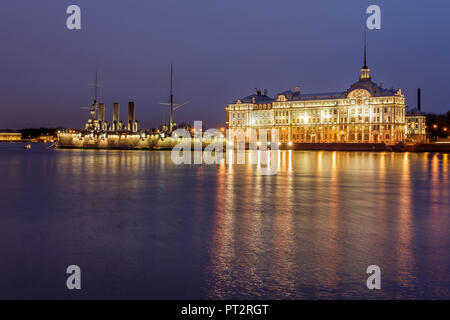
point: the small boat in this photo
(27, 146)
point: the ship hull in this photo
(120, 142)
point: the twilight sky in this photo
(221, 50)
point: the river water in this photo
(141, 227)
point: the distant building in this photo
(365, 113)
(416, 126)
(10, 136)
(46, 138)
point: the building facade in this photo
(365, 113)
(10, 136)
(416, 126)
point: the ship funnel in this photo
(131, 116)
(101, 112)
(116, 120)
(418, 99)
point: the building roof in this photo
(255, 98)
(316, 96)
(415, 112)
(375, 89)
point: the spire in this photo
(365, 52)
(365, 71)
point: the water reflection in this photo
(331, 260)
(144, 227)
(311, 230)
(405, 263)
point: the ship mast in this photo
(95, 104)
(171, 97)
(95, 87)
(173, 106)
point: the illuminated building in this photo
(416, 123)
(365, 113)
(10, 136)
(46, 138)
(416, 126)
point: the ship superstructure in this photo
(100, 134)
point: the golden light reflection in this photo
(445, 175)
(283, 162)
(250, 240)
(230, 157)
(279, 160)
(319, 162)
(436, 187)
(331, 261)
(306, 227)
(252, 156)
(435, 178)
(405, 227)
(425, 164)
(283, 233)
(290, 160)
(222, 247)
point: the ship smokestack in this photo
(131, 116)
(116, 120)
(101, 112)
(418, 99)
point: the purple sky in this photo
(221, 50)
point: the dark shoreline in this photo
(421, 147)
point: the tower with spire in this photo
(365, 71)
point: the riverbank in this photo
(421, 147)
(337, 146)
(428, 147)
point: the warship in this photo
(99, 134)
